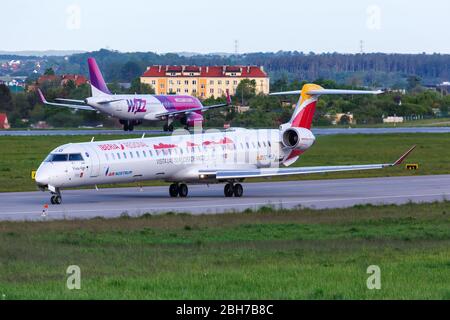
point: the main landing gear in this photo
(128, 125)
(168, 127)
(233, 190)
(176, 190)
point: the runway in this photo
(316, 131)
(108, 203)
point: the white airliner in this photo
(227, 157)
(132, 110)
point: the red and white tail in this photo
(306, 107)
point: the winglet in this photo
(228, 97)
(41, 96)
(403, 157)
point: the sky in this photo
(206, 26)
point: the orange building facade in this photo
(204, 82)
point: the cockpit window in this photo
(56, 157)
(75, 157)
(64, 157)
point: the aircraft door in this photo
(92, 158)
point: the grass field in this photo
(299, 254)
(21, 155)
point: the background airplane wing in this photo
(66, 105)
(274, 172)
(203, 108)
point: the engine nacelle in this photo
(297, 138)
(191, 119)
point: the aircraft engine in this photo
(297, 138)
(191, 119)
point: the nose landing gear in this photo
(56, 199)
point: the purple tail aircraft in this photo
(132, 110)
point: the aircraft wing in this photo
(203, 108)
(66, 105)
(277, 172)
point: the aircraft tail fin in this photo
(98, 84)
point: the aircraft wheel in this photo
(173, 190)
(183, 190)
(166, 128)
(130, 127)
(170, 128)
(125, 127)
(238, 190)
(228, 190)
(55, 199)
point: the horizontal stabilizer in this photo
(327, 92)
(66, 105)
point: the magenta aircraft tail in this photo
(98, 84)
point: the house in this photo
(204, 81)
(338, 118)
(62, 80)
(76, 78)
(393, 119)
(4, 124)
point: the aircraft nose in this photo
(42, 178)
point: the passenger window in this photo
(106, 156)
(124, 155)
(137, 153)
(118, 155)
(113, 156)
(268, 142)
(145, 154)
(131, 155)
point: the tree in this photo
(245, 90)
(6, 104)
(140, 88)
(49, 72)
(414, 83)
(130, 70)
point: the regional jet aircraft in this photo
(227, 157)
(132, 110)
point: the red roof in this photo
(78, 79)
(207, 71)
(47, 78)
(4, 124)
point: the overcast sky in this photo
(213, 26)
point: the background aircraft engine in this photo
(190, 119)
(297, 138)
